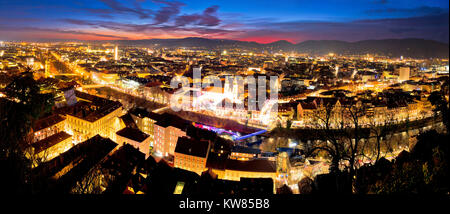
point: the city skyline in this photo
(262, 22)
(220, 98)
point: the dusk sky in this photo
(247, 20)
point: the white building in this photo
(116, 53)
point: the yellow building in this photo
(310, 111)
(306, 110)
(156, 92)
(50, 147)
(244, 153)
(48, 126)
(105, 77)
(285, 112)
(257, 168)
(145, 121)
(166, 134)
(49, 139)
(93, 115)
(191, 154)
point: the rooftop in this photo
(133, 134)
(47, 122)
(192, 147)
(93, 108)
(91, 152)
(50, 141)
(172, 120)
(255, 165)
(120, 165)
(83, 156)
(244, 149)
(140, 112)
(128, 120)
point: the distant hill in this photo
(415, 48)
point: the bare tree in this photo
(91, 183)
(380, 132)
(354, 134)
(35, 158)
(330, 142)
(341, 133)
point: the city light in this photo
(179, 98)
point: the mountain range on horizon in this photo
(414, 48)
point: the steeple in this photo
(116, 53)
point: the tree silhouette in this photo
(341, 134)
(23, 106)
(381, 133)
(441, 105)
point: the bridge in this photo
(250, 135)
(234, 135)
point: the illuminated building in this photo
(73, 164)
(254, 69)
(236, 169)
(306, 110)
(244, 153)
(47, 68)
(166, 134)
(197, 156)
(79, 163)
(50, 147)
(118, 170)
(179, 188)
(197, 70)
(48, 126)
(93, 115)
(403, 74)
(135, 138)
(49, 138)
(283, 166)
(105, 77)
(268, 65)
(367, 76)
(145, 121)
(156, 93)
(336, 71)
(309, 111)
(191, 154)
(30, 61)
(285, 111)
(116, 53)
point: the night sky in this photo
(247, 20)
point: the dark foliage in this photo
(16, 119)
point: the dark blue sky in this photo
(249, 20)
